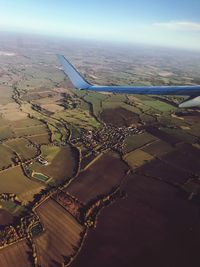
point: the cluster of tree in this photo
(90, 211)
(19, 230)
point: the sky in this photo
(173, 23)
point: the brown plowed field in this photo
(61, 236)
(119, 117)
(100, 178)
(15, 255)
(154, 226)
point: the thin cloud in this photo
(179, 25)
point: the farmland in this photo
(151, 225)
(61, 237)
(62, 162)
(15, 254)
(96, 179)
(14, 181)
(22, 147)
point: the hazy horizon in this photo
(172, 24)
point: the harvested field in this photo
(15, 255)
(6, 132)
(14, 181)
(40, 139)
(119, 117)
(51, 107)
(137, 141)
(153, 226)
(166, 172)
(61, 237)
(100, 178)
(186, 157)
(6, 156)
(31, 130)
(158, 148)
(11, 112)
(173, 140)
(5, 94)
(23, 148)
(6, 218)
(181, 134)
(137, 158)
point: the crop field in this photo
(40, 139)
(6, 132)
(151, 227)
(22, 147)
(136, 141)
(5, 94)
(137, 158)
(15, 255)
(31, 130)
(14, 181)
(181, 135)
(6, 218)
(158, 148)
(61, 236)
(136, 188)
(6, 156)
(119, 117)
(186, 157)
(25, 123)
(99, 178)
(62, 166)
(167, 172)
(11, 112)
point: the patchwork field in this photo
(153, 226)
(61, 237)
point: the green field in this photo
(41, 177)
(49, 152)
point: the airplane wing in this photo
(80, 83)
(76, 78)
